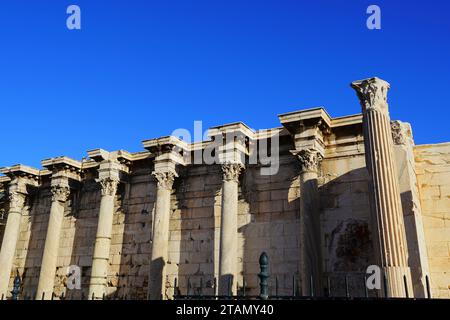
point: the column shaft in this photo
(100, 259)
(160, 240)
(9, 243)
(387, 212)
(228, 229)
(50, 256)
(310, 264)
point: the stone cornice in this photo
(21, 170)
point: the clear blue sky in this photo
(140, 69)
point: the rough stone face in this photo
(432, 163)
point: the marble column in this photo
(309, 235)
(228, 228)
(100, 259)
(160, 239)
(389, 235)
(10, 237)
(60, 194)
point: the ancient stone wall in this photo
(433, 176)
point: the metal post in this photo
(329, 286)
(175, 291)
(427, 280)
(243, 285)
(385, 286)
(276, 285)
(294, 285)
(311, 286)
(201, 287)
(16, 287)
(263, 276)
(347, 293)
(406, 286)
(366, 291)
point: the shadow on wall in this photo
(38, 215)
(86, 219)
(347, 232)
(134, 243)
(131, 243)
(270, 223)
(193, 249)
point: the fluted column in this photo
(60, 194)
(228, 228)
(160, 238)
(100, 258)
(10, 236)
(385, 197)
(310, 249)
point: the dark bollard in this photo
(175, 288)
(347, 293)
(294, 285)
(276, 285)
(264, 276)
(427, 280)
(16, 287)
(405, 282)
(386, 295)
(329, 286)
(366, 291)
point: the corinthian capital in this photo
(231, 171)
(372, 94)
(309, 159)
(401, 132)
(109, 186)
(16, 200)
(60, 193)
(165, 179)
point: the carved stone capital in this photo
(165, 179)
(401, 132)
(231, 171)
(60, 193)
(109, 186)
(309, 159)
(16, 200)
(372, 94)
